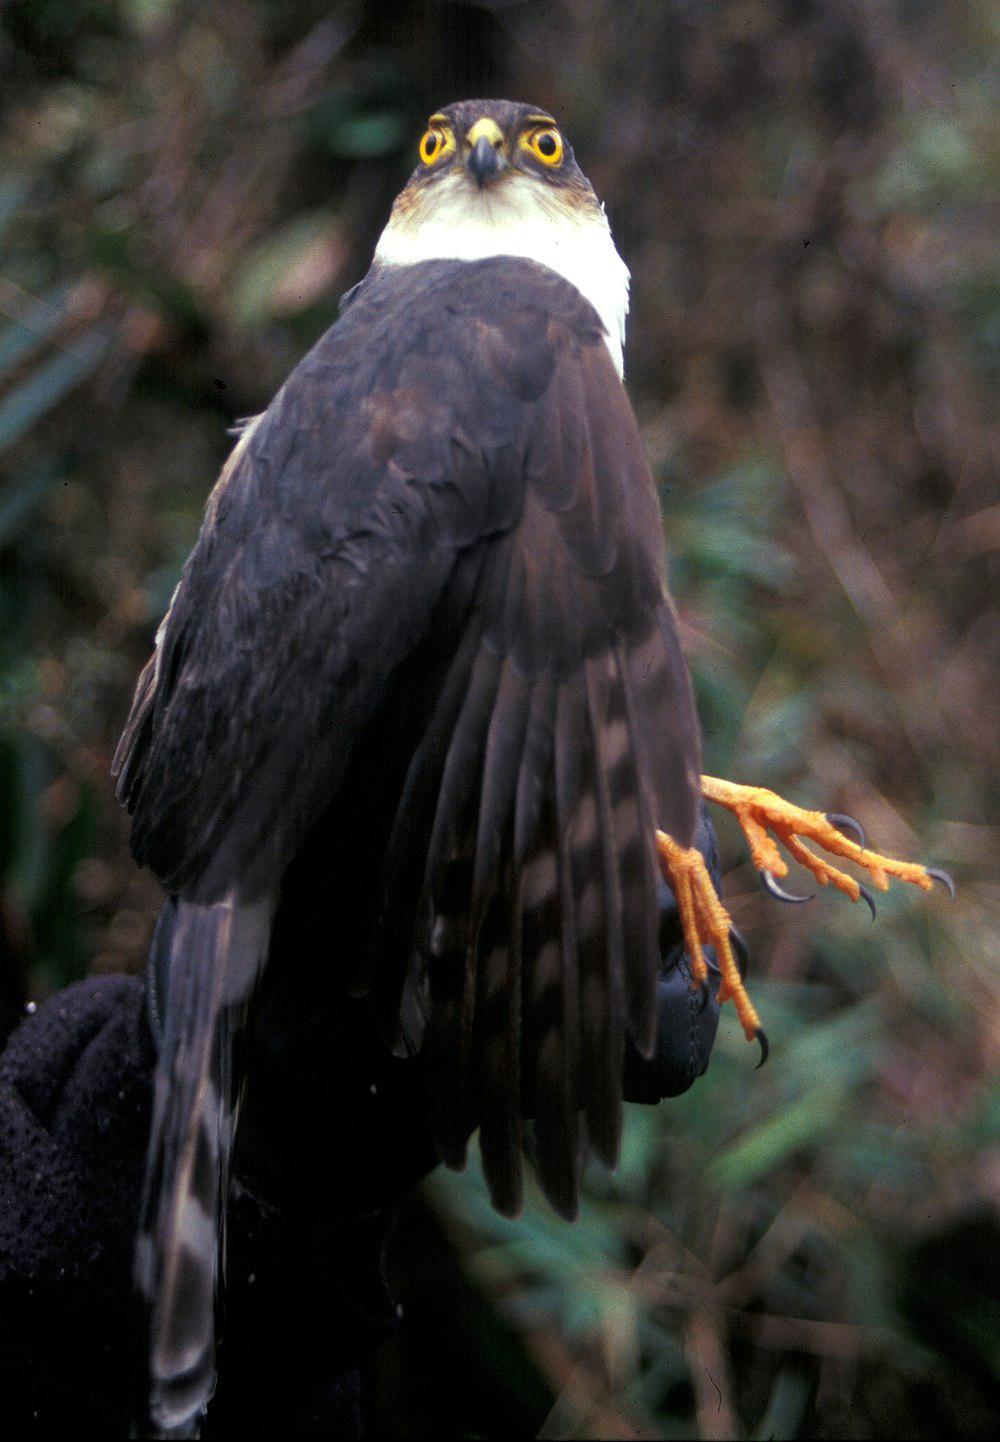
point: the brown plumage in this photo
(432, 579)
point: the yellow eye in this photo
(545, 144)
(435, 145)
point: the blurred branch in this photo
(581, 1408)
(830, 526)
(710, 1375)
(298, 79)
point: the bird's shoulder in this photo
(429, 365)
(420, 301)
(444, 338)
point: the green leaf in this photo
(48, 385)
(805, 1122)
(786, 1407)
(29, 333)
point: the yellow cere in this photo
(438, 140)
(545, 144)
(485, 129)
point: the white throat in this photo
(460, 223)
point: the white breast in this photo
(517, 217)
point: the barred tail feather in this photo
(212, 955)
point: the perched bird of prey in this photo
(422, 655)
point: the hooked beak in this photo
(485, 161)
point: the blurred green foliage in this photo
(800, 191)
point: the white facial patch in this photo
(454, 220)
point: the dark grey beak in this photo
(485, 161)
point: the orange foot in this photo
(706, 923)
(705, 920)
(759, 811)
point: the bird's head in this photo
(498, 177)
(493, 155)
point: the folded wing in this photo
(454, 471)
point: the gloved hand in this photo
(74, 1119)
(75, 1100)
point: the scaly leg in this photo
(705, 920)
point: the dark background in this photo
(800, 190)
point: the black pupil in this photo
(431, 144)
(547, 144)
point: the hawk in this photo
(421, 673)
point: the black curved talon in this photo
(848, 823)
(771, 886)
(765, 1047)
(866, 895)
(936, 874)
